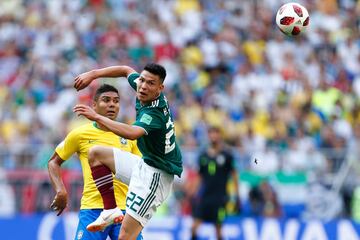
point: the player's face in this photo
(107, 105)
(149, 87)
(214, 136)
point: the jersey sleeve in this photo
(150, 120)
(230, 161)
(202, 166)
(68, 146)
(132, 79)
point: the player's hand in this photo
(83, 80)
(59, 203)
(86, 111)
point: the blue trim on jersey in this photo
(87, 216)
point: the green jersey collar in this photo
(96, 126)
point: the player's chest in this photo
(219, 160)
(106, 140)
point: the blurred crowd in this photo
(291, 103)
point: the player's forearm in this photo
(54, 170)
(236, 182)
(114, 71)
(121, 129)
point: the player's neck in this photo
(215, 148)
(101, 127)
(144, 103)
(149, 102)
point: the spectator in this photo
(264, 202)
(7, 197)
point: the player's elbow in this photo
(54, 161)
(128, 70)
(50, 164)
(134, 136)
(135, 133)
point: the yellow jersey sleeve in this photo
(69, 145)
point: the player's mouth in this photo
(142, 94)
(110, 113)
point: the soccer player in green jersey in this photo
(151, 179)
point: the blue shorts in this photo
(87, 216)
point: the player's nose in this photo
(144, 85)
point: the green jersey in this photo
(158, 146)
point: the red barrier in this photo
(33, 191)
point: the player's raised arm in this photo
(84, 79)
(124, 130)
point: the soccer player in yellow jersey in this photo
(79, 140)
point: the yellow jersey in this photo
(79, 141)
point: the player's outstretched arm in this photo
(235, 179)
(84, 79)
(124, 130)
(54, 168)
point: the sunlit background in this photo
(291, 103)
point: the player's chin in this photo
(142, 97)
(112, 116)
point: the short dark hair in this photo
(213, 128)
(156, 69)
(104, 88)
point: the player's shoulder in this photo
(228, 152)
(159, 103)
(133, 75)
(203, 153)
(81, 130)
(158, 113)
(86, 126)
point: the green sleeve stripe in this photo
(151, 197)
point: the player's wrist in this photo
(95, 74)
(98, 118)
(61, 192)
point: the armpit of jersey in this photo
(132, 79)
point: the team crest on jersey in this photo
(123, 141)
(165, 111)
(80, 234)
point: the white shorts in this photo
(124, 164)
(148, 188)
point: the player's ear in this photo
(93, 104)
(161, 87)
